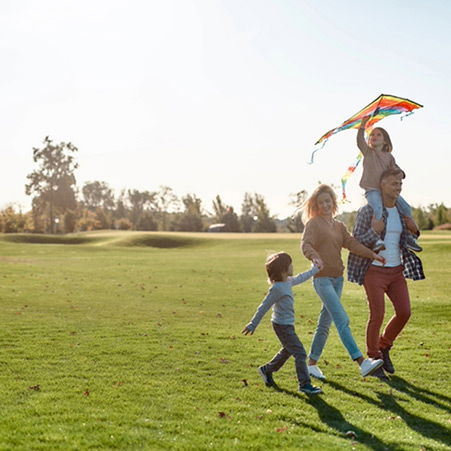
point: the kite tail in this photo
(405, 115)
(316, 150)
(346, 176)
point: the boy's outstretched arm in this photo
(302, 277)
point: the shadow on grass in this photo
(333, 418)
(423, 426)
(420, 393)
(31, 238)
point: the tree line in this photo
(60, 206)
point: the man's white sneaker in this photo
(314, 371)
(369, 366)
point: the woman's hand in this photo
(318, 262)
(379, 258)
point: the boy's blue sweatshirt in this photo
(280, 297)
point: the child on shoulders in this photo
(377, 157)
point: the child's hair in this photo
(388, 146)
(310, 207)
(276, 265)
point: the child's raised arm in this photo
(302, 277)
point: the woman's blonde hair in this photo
(310, 207)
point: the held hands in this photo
(379, 258)
(247, 331)
(318, 263)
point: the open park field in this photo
(123, 340)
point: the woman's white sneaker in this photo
(369, 366)
(314, 371)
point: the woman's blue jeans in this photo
(329, 290)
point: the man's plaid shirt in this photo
(358, 266)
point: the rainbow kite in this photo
(385, 105)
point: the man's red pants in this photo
(378, 281)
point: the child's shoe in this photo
(379, 246)
(412, 244)
(266, 376)
(369, 366)
(310, 389)
(314, 371)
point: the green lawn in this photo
(132, 341)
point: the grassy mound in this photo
(161, 241)
(127, 239)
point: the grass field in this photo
(132, 341)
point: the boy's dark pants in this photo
(291, 346)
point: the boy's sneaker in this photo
(266, 376)
(388, 365)
(310, 389)
(379, 373)
(413, 245)
(314, 371)
(369, 366)
(379, 246)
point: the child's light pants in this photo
(374, 199)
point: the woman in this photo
(322, 241)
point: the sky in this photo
(223, 96)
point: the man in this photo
(389, 278)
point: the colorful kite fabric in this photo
(385, 105)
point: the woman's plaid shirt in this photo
(358, 266)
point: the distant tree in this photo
(264, 222)
(124, 224)
(89, 221)
(98, 195)
(165, 201)
(225, 214)
(247, 218)
(121, 210)
(190, 220)
(297, 200)
(421, 218)
(441, 214)
(69, 221)
(53, 183)
(141, 202)
(255, 215)
(12, 221)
